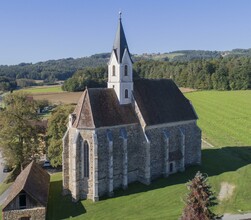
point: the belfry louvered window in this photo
(126, 70)
(126, 93)
(113, 70)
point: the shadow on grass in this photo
(215, 161)
(62, 207)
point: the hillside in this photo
(62, 69)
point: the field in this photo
(54, 94)
(225, 119)
(43, 89)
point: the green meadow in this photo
(44, 89)
(225, 119)
(224, 116)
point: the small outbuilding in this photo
(28, 196)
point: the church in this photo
(133, 130)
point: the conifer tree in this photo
(199, 200)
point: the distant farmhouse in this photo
(131, 131)
(28, 195)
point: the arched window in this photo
(126, 93)
(126, 70)
(113, 70)
(86, 159)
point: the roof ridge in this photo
(82, 104)
(13, 193)
(91, 109)
(27, 169)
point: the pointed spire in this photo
(120, 43)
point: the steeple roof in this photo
(120, 43)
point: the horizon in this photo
(133, 54)
(42, 31)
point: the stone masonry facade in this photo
(124, 154)
(134, 130)
(38, 213)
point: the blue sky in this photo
(39, 30)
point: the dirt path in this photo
(226, 191)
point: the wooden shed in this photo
(28, 195)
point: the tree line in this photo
(53, 69)
(228, 73)
(195, 69)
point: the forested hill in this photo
(62, 69)
(52, 69)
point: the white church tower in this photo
(120, 75)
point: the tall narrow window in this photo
(22, 200)
(126, 93)
(81, 159)
(171, 167)
(126, 70)
(86, 159)
(113, 70)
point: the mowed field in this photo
(225, 116)
(54, 94)
(225, 119)
(57, 96)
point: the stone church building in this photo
(131, 131)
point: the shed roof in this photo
(34, 181)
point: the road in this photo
(237, 216)
(2, 177)
(2, 174)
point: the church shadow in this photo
(215, 161)
(62, 207)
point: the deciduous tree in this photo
(19, 136)
(57, 126)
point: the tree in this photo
(19, 131)
(199, 200)
(57, 126)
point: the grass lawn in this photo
(163, 198)
(225, 118)
(44, 89)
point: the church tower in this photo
(120, 75)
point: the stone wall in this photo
(85, 184)
(192, 146)
(65, 163)
(34, 214)
(117, 153)
(147, 152)
(80, 187)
